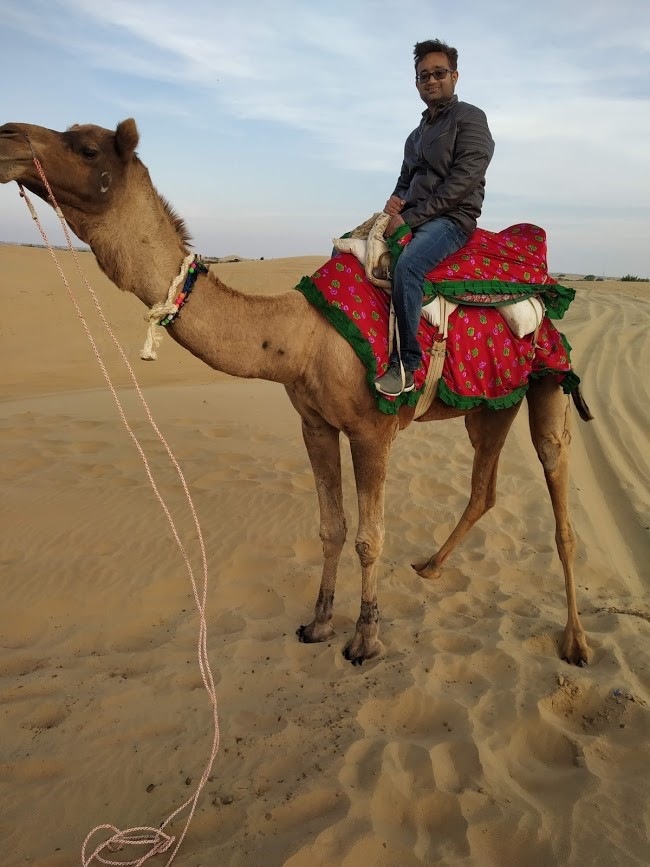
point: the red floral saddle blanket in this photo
(485, 364)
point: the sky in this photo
(274, 127)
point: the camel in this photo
(106, 196)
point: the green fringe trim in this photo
(347, 329)
(453, 288)
(571, 380)
(394, 246)
(460, 401)
(556, 298)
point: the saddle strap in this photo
(434, 373)
(438, 353)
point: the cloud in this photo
(325, 94)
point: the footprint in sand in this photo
(453, 642)
(307, 814)
(456, 766)
(16, 665)
(460, 672)
(133, 635)
(589, 709)
(416, 715)
(396, 785)
(48, 715)
(227, 623)
(32, 769)
(215, 432)
(24, 467)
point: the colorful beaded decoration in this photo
(197, 267)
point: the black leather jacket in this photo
(445, 159)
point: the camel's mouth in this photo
(15, 152)
(11, 169)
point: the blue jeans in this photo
(432, 242)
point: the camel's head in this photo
(83, 165)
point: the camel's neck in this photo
(244, 335)
(141, 251)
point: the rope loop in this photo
(157, 839)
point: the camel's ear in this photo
(126, 139)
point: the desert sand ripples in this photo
(469, 744)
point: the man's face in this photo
(434, 92)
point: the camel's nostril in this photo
(9, 130)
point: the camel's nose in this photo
(10, 130)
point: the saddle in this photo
(367, 243)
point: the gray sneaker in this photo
(390, 383)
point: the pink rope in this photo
(154, 837)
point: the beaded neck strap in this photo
(196, 267)
(165, 313)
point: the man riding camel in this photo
(439, 194)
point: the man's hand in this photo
(393, 224)
(394, 206)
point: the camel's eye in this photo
(89, 152)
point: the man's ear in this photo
(126, 139)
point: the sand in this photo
(468, 743)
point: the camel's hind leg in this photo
(322, 442)
(487, 431)
(550, 428)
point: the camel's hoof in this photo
(314, 633)
(355, 660)
(427, 571)
(580, 662)
(575, 649)
(358, 651)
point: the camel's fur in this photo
(139, 242)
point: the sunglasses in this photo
(436, 74)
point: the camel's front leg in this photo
(322, 443)
(370, 459)
(550, 428)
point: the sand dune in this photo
(468, 743)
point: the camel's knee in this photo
(482, 499)
(565, 537)
(369, 548)
(550, 448)
(333, 538)
(490, 498)
(477, 508)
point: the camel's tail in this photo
(581, 405)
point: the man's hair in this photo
(421, 50)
